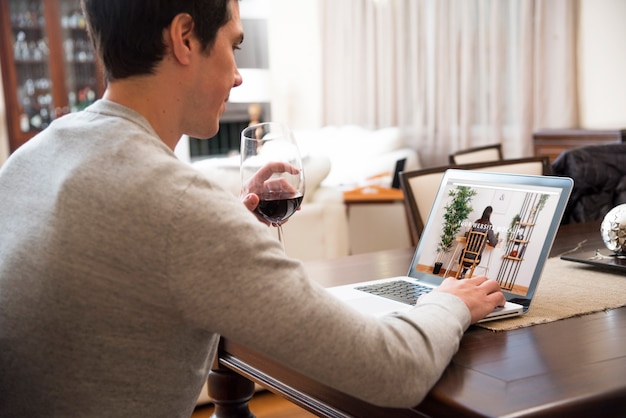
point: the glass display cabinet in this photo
(48, 65)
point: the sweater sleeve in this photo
(402, 356)
(233, 279)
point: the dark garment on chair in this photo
(599, 174)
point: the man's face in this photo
(216, 74)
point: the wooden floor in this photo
(263, 405)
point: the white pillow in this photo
(353, 150)
(316, 168)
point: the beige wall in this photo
(4, 139)
(602, 63)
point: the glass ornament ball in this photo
(613, 230)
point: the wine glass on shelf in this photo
(271, 167)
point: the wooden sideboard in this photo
(552, 142)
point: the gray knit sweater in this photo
(120, 266)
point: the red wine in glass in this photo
(278, 211)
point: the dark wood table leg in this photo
(231, 393)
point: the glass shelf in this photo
(31, 53)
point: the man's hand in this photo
(260, 183)
(480, 294)
(250, 201)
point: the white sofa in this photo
(335, 159)
(357, 154)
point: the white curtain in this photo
(453, 73)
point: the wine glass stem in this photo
(281, 237)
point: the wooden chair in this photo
(420, 189)
(470, 256)
(420, 186)
(477, 155)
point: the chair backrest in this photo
(474, 244)
(538, 166)
(420, 186)
(470, 256)
(420, 189)
(477, 155)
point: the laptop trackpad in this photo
(510, 309)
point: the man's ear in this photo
(180, 36)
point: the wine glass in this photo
(271, 167)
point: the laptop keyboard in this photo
(398, 290)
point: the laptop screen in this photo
(520, 215)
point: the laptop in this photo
(526, 211)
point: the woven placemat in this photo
(568, 289)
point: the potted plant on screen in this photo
(456, 211)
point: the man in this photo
(120, 266)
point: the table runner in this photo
(568, 289)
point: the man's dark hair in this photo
(128, 34)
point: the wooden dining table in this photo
(574, 367)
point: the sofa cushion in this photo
(316, 168)
(355, 153)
